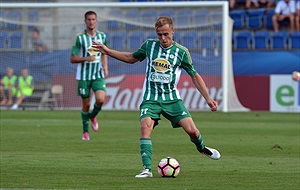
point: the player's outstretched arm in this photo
(200, 85)
(126, 57)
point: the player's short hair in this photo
(36, 30)
(90, 13)
(163, 20)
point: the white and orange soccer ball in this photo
(168, 167)
(296, 76)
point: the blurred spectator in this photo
(8, 87)
(284, 14)
(234, 3)
(25, 87)
(297, 17)
(268, 4)
(37, 43)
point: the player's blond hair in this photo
(163, 20)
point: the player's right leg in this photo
(83, 90)
(99, 88)
(149, 116)
(146, 146)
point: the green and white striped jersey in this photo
(164, 66)
(83, 47)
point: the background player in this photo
(91, 71)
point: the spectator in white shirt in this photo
(284, 13)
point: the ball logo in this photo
(161, 65)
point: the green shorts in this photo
(84, 86)
(174, 111)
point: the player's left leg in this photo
(195, 136)
(180, 117)
(99, 87)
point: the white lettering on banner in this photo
(284, 94)
(130, 98)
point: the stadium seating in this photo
(238, 17)
(243, 40)
(2, 24)
(184, 17)
(207, 43)
(189, 40)
(132, 15)
(262, 40)
(3, 39)
(279, 40)
(114, 24)
(149, 17)
(295, 40)
(33, 17)
(16, 16)
(200, 15)
(207, 40)
(167, 12)
(268, 20)
(254, 19)
(177, 36)
(219, 42)
(136, 39)
(118, 40)
(15, 40)
(217, 17)
(152, 35)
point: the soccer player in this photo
(165, 60)
(8, 87)
(91, 71)
(25, 87)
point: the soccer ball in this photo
(168, 167)
(296, 76)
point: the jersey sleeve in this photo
(187, 64)
(105, 40)
(140, 54)
(76, 46)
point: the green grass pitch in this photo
(44, 150)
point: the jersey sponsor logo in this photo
(158, 77)
(92, 51)
(161, 65)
